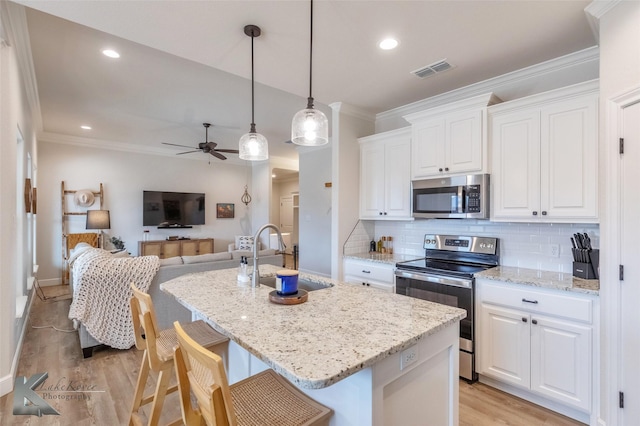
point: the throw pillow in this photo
(176, 260)
(244, 242)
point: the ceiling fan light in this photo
(253, 147)
(310, 127)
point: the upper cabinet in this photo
(385, 182)
(450, 139)
(544, 162)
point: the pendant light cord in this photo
(310, 99)
(253, 123)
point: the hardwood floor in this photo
(106, 381)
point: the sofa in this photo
(167, 308)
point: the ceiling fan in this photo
(206, 146)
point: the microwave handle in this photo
(461, 200)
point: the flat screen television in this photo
(172, 209)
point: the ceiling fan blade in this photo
(183, 146)
(188, 152)
(211, 145)
(217, 155)
(230, 151)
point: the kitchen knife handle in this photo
(535, 302)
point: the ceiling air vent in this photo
(432, 69)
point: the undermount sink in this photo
(303, 284)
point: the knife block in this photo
(588, 271)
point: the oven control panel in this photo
(485, 245)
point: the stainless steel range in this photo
(446, 275)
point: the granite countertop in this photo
(544, 279)
(337, 332)
(390, 259)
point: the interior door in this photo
(286, 219)
(630, 287)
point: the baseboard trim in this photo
(49, 282)
(538, 400)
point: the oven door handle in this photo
(438, 279)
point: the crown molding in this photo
(590, 54)
(596, 10)
(18, 34)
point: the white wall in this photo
(16, 258)
(124, 176)
(315, 210)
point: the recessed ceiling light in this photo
(85, 127)
(111, 53)
(388, 44)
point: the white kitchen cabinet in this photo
(545, 164)
(537, 340)
(370, 274)
(450, 139)
(385, 183)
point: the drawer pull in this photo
(524, 319)
(535, 302)
(366, 272)
(534, 321)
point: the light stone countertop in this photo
(544, 279)
(390, 259)
(337, 332)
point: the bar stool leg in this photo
(162, 389)
(143, 376)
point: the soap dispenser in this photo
(242, 270)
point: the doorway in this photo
(284, 211)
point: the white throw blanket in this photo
(102, 289)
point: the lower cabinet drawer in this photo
(369, 271)
(551, 302)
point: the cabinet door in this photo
(515, 180)
(170, 249)
(397, 178)
(463, 148)
(503, 345)
(427, 149)
(561, 361)
(189, 248)
(371, 180)
(205, 246)
(151, 248)
(569, 160)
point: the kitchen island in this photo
(375, 358)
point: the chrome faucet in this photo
(255, 276)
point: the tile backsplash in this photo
(525, 245)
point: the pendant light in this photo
(253, 145)
(310, 126)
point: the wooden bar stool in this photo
(265, 399)
(158, 349)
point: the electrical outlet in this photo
(408, 357)
(554, 250)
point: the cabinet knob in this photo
(524, 319)
(380, 213)
(544, 213)
(446, 169)
(535, 213)
(440, 169)
(534, 321)
(385, 213)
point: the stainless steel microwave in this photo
(455, 197)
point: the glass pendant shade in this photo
(253, 147)
(310, 127)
